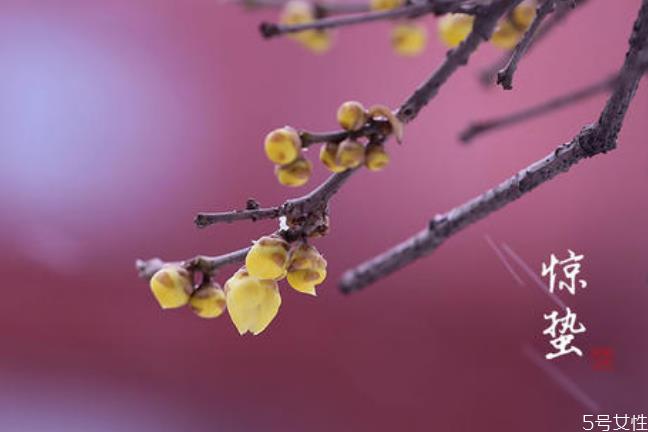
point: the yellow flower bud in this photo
(282, 146)
(171, 286)
(305, 281)
(351, 115)
(307, 268)
(523, 15)
(268, 258)
(295, 173)
(318, 41)
(385, 5)
(252, 303)
(454, 28)
(208, 301)
(506, 36)
(301, 12)
(350, 154)
(409, 39)
(328, 156)
(376, 158)
(304, 256)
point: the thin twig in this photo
(482, 31)
(205, 219)
(376, 126)
(598, 138)
(207, 265)
(483, 28)
(505, 75)
(481, 127)
(316, 200)
(313, 206)
(411, 10)
(269, 30)
(489, 74)
(322, 8)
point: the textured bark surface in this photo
(598, 138)
(311, 211)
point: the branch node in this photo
(269, 30)
(436, 221)
(252, 204)
(588, 141)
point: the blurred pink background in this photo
(120, 119)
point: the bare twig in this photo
(480, 127)
(207, 265)
(205, 219)
(505, 75)
(322, 8)
(482, 30)
(311, 210)
(600, 137)
(269, 30)
(314, 201)
(488, 74)
(410, 10)
(376, 126)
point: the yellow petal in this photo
(305, 281)
(268, 258)
(376, 157)
(350, 154)
(409, 39)
(208, 301)
(506, 36)
(385, 5)
(454, 28)
(266, 310)
(171, 287)
(282, 146)
(351, 115)
(251, 302)
(523, 15)
(295, 173)
(328, 156)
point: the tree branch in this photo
(322, 8)
(478, 128)
(505, 75)
(205, 219)
(376, 126)
(409, 10)
(207, 265)
(482, 30)
(269, 30)
(592, 140)
(314, 201)
(311, 210)
(488, 74)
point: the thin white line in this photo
(565, 383)
(534, 277)
(504, 261)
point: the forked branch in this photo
(564, 8)
(505, 75)
(312, 208)
(409, 10)
(598, 138)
